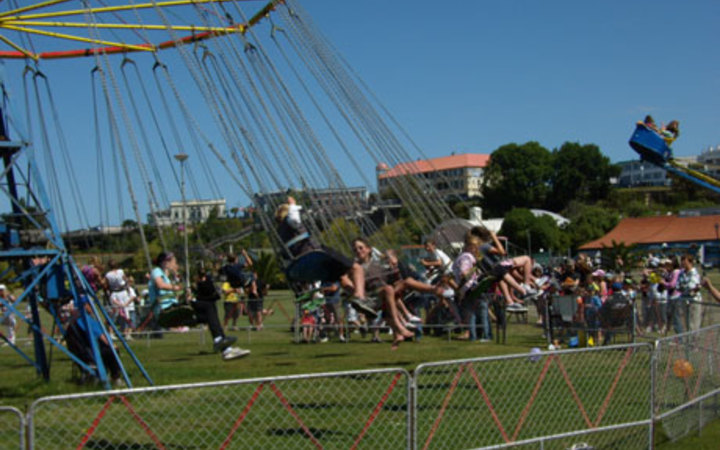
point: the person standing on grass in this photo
(232, 305)
(206, 294)
(116, 283)
(10, 321)
(130, 308)
(689, 284)
(255, 304)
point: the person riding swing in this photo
(165, 309)
(313, 262)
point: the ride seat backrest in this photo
(565, 306)
(78, 344)
(616, 311)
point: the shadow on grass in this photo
(314, 405)
(102, 443)
(171, 360)
(318, 433)
(332, 355)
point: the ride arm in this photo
(694, 176)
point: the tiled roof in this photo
(435, 164)
(657, 230)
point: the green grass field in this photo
(188, 358)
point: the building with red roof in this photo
(658, 233)
(453, 176)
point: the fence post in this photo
(653, 387)
(21, 428)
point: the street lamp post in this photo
(529, 242)
(182, 157)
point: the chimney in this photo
(476, 214)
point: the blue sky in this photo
(479, 74)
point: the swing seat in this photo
(313, 304)
(316, 265)
(177, 316)
(650, 145)
(482, 288)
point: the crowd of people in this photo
(377, 290)
(385, 292)
(463, 294)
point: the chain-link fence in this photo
(368, 409)
(687, 386)
(605, 397)
(12, 428)
(540, 400)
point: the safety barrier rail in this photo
(12, 428)
(368, 409)
(687, 387)
(607, 397)
(601, 395)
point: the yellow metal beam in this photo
(32, 7)
(81, 39)
(25, 52)
(21, 23)
(106, 9)
(696, 173)
(121, 26)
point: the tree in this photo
(129, 225)
(522, 227)
(588, 222)
(517, 176)
(393, 234)
(339, 233)
(580, 172)
(620, 257)
(268, 270)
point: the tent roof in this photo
(658, 230)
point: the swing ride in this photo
(262, 103)
(654, 149)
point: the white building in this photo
(641, 173)
(198, 211)
(452, 176)
(710, 158)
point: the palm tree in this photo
(268, 270)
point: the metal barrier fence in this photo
(368, 409)
(687, 386)
(608, 397)
(12, 428)
(600, 396)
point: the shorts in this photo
(255, 305)
(308, 320)
(232, 309)
(500, 270)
